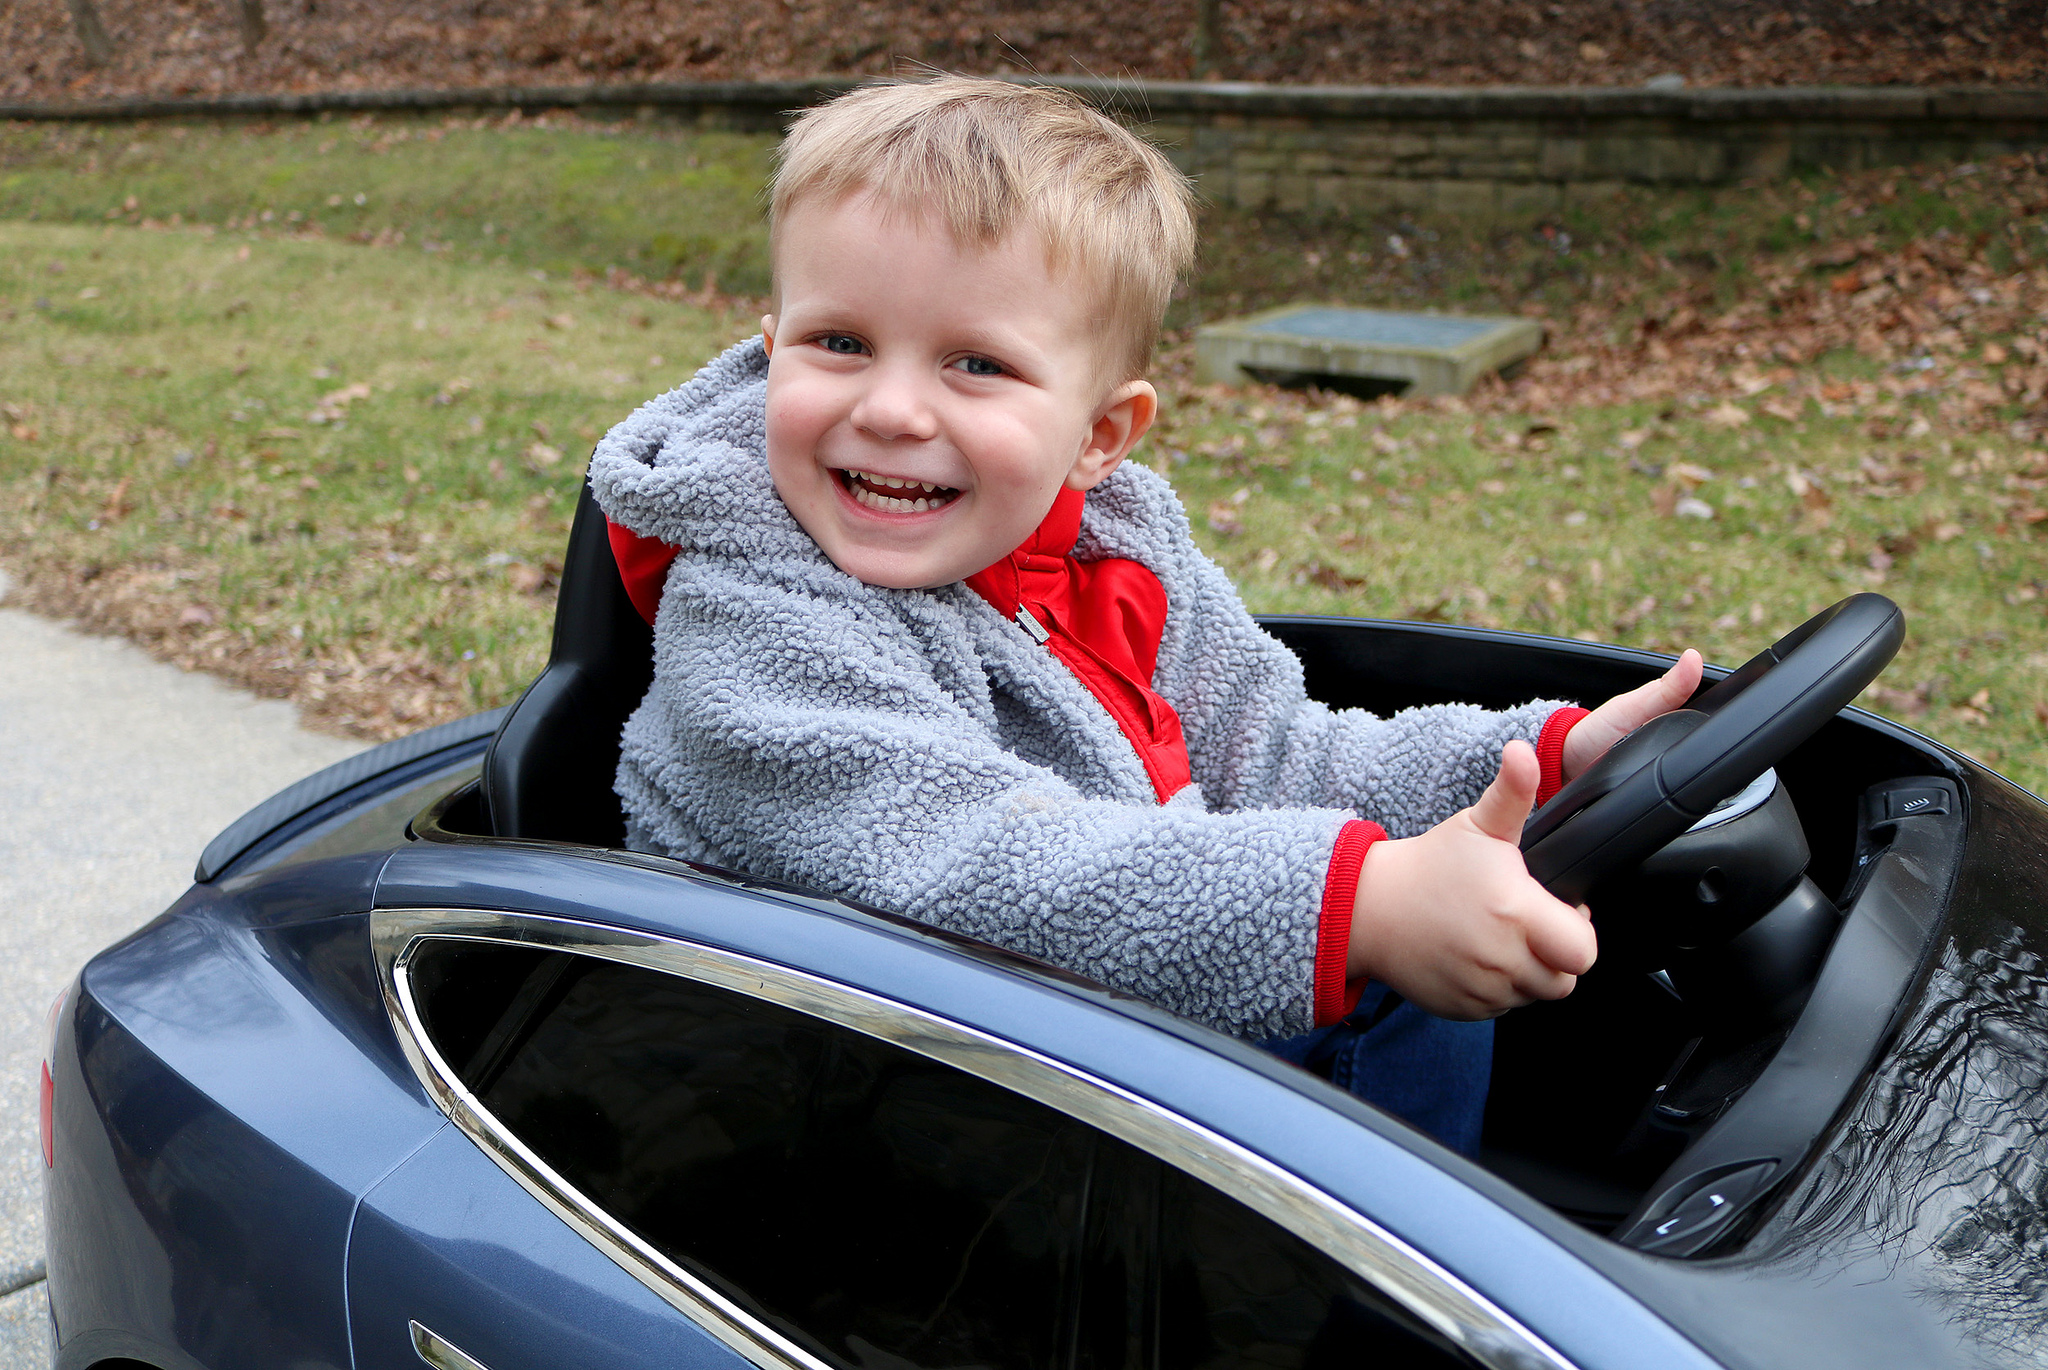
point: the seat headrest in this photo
(548, 773)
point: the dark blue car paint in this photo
(337, 789)
(237, 1049)
(215, 1129)
(451, 1240)
(228, 1088)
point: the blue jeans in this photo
(1429, 1071)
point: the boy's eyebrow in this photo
(975, 338)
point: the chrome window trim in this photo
(1427, 1290)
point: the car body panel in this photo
(1456, 1214)
(216, 1127)
(230, 1088)
(449, 1240)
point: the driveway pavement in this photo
(114, 771)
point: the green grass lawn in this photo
(330, 447)
(302, 451)
(587, 198)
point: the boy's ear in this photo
(768, 334)
(1123, 419)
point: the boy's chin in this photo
(895, 572)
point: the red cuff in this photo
(1550, 750)
(1333, 997)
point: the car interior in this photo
(1754, 961)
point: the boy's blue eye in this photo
(843, 343)
(980, 366)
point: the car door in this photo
(806, 1176)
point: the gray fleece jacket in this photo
(916, 750)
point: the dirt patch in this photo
(182, 47)
(383, 695)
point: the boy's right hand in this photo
(1452, 919)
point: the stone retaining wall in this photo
(1520, 154)
(1505, 155)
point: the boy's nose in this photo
(893, 406)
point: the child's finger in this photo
(1683, 678)
(1545, 985)
(1505, 806)
(1563, 940)
(1662, 695)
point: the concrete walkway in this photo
(114, 771)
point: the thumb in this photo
(1505, 806)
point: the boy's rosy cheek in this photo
(796, 409)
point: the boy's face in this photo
(926, 402)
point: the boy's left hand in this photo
(1623, 714)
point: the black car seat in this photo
(548, 773)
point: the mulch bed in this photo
(192, 47)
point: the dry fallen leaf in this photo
(1907, 704)
(162, 51)
(1817, 501)
(527, 580)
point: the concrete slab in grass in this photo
(1425, 354)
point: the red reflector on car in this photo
(49, 1086)
(49, 1134)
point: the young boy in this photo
(930, 643)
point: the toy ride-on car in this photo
(426, 1067)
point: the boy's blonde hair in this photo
(987, 156)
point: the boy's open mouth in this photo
(888, 495)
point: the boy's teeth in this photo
(889, 504)
(863, 485)
(890, 482)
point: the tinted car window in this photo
(1239, 1291)
(877, 1207)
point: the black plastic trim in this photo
(248, 831)
(550, 771)
(1854, 1011)
(1752, 718)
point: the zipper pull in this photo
(1028, 621)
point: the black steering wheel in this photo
(1671, 772)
